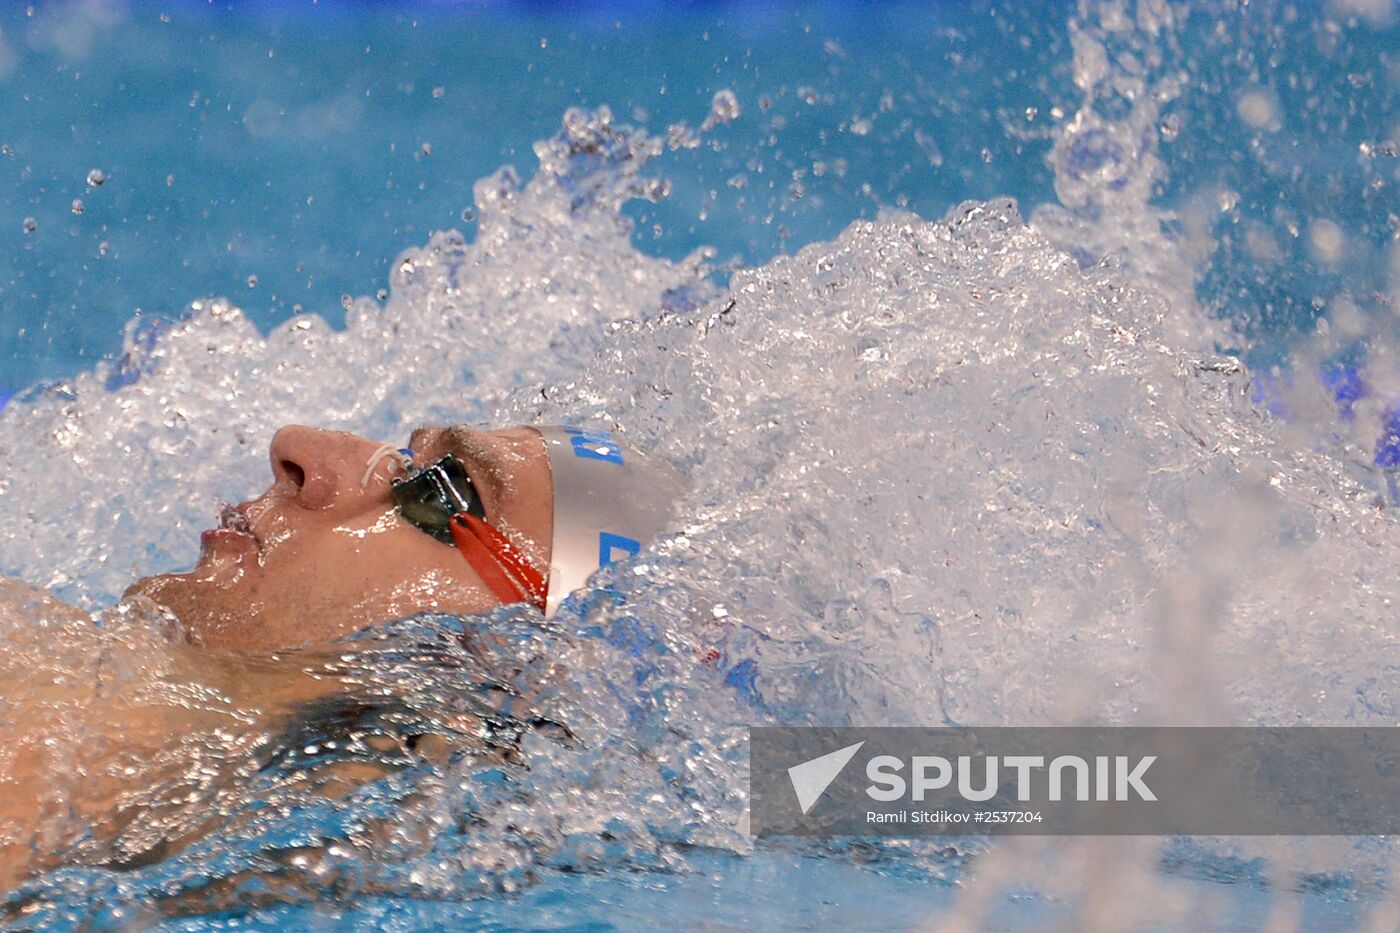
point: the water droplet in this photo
(1327, 240)
(680, 136)
(77, 206)
(96, 178)
(252, 281)
(1170, 127)
(723, 107)
(1258, 109)
(103, 248)
(468, 214)
(382, 294)
(426, 149)
(30, 225)
(346, 302)
(439, 92)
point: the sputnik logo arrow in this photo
(811, 778)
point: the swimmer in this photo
(350, 533)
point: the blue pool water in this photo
(1034, 363)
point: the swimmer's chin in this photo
(150, 588)
(165, 594)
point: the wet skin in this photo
(324, 552)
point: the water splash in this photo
(181, 421)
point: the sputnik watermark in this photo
(1150, 781)
(1115, 778)
(811, 778)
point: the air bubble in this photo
(252, 281)
(30, 225)
(96, 178)
(77, 206)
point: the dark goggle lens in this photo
(428, 498)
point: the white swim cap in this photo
(609, 500)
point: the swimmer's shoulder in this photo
(23, 603)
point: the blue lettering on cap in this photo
(609, 542)
(594, 445)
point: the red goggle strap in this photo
(501, 567)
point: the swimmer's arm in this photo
(75, 701)
(34, 695)
(23, 604)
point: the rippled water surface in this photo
(1000, 343)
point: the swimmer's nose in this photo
(318, 468)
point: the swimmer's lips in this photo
(235, 532)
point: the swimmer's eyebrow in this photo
(422, 436)
(484, 463)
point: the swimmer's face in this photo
(329, 554)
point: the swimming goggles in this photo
(441, 500)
